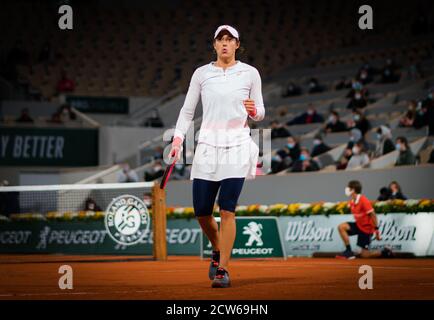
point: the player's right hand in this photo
(377, 235)
(175, 151)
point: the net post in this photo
(159, 223)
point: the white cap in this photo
(231, 30)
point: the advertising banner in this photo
(48, 147)
(303, 236)
(75, 237)
(256, 237)
(118, 105)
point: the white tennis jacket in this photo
(224, 121)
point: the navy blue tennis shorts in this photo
(205, 192)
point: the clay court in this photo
(114, 277)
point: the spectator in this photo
(421, 115)
(310, 116)
(66, 113)
(156, 172)
(319, 147)
(25, 116)
(343, 161)
(408, 119)
(364, 77)
(406, 156)
(291, 90)
(359, 121)
(56, 117)
(314, 86)
(356, 136)
(154, 120)
(371, 71)
(431, 156)
(147, 199)
(429, 105)
(127, 175)
(343, 83)
(334, 124)
(396, 192)
(390, 72)
(384, 141)
(414, 72)
(285, 156)
(90, 205)
(158, 153)
(359, 159)
(358, 100)
(180, 172)
(304, 162)
(278, 130)
(357, 86)
(384, 194)
(65, 84)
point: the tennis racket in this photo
(166, 175)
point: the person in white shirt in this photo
(225, 155)
(127, 175)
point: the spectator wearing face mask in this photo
(127, 175)
(310, 116)
(406, 156)
(357, 86)
(356, 136)
(359, 121)
(384, 143)
(396, 192)
(66, 113)
(359, 101)
(408, 119)
(359, 159)
(364, 77)
(390, 72)
(334, 124)
(370, 70)
(278, 130)
(180, 172)
(286, 156)
(155, 172)
(314, 86)
(319, 147)
(305, 162)
(291, 90)
(90, 205)
(421, 115)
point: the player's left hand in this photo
(249, 104)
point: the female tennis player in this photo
(226, 154)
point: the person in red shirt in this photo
(364, 227)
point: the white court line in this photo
(349, 267)
(72, 293)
